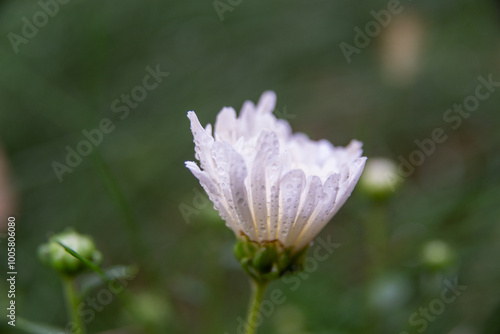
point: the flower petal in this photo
(203, 142)
(267, 102)
(225, 125)
(291, 188)
(355, 171)
(312, 197)
(267, 153)
(232, 172)
(321, 213)
(214, 194)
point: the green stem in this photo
(131, 224)
(72, 302)
(376, 234)
(258, 289)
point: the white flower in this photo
(268, 183)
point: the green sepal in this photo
(272, 275)
(250, 248)
(284, 261)
(298, 260)
(265, 258)
(239, 251)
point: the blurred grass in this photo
(65, 79)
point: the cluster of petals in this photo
(268, 183)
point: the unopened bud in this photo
(437, 254)
(380, 178)
(54, 255)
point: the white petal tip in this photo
(193, 167)
(190, 164)
(355, 144)
(267, 102)
(268, 94)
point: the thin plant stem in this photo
(72, 301)
(376, 235)
(376, 243)
(123, 297)
(258, 289)
(131, 225)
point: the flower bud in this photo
(380, 178)
(54, 255)
(151, 308)
(389, 292)
(437, 254)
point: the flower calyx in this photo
(268, 260)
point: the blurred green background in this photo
(65, 77)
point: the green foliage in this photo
(64, 80)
